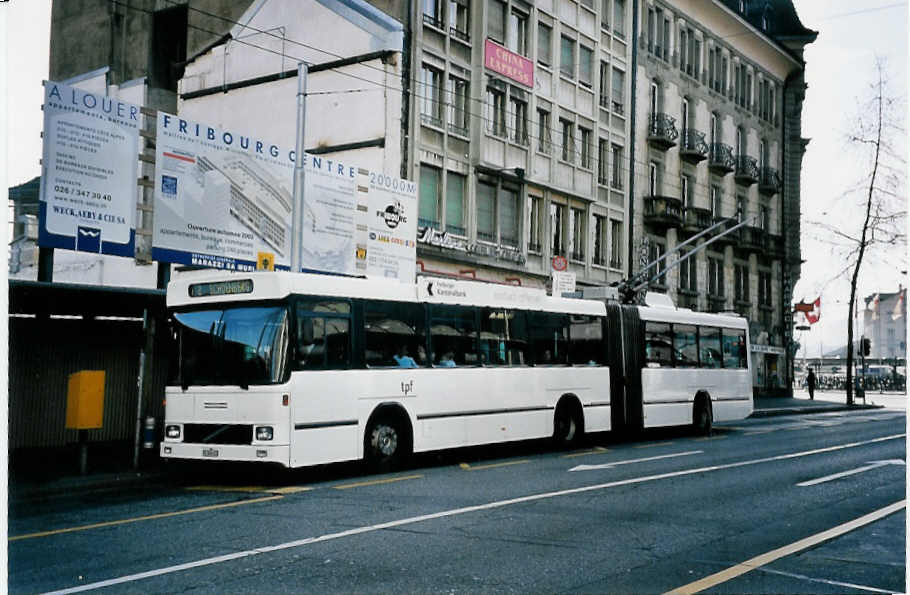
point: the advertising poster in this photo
(88, 178)
(392, 228)
(223, 199)
(331, 216)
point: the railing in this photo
(746, 169)
(720, 158)
(460, 35)
(753, 238)
(717, 303)
(776, 246)
(696, 219)
(665, 211)
(692, 146)
(769, 181)
(662, 131)
(732, 237)
(432, 21)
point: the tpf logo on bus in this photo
(393, 215)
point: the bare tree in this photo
(877, 131)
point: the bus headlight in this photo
(172, 432)
(264, 432)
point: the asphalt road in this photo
(791, 504)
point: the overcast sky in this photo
(839, 71)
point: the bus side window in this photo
(658, 344)
(709, 347)
(453, 328)
(734, 348)
(323, 334)
(548, 335)
(585, 341)
(685, 346)
(392, 329)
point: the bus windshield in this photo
(232, 346)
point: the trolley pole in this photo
(297, 211)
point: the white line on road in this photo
(869, 467)
(454, 512)
(609, 465)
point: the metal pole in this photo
(140, 386)
(297, 211)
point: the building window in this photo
(616, 175)
(656, 252)
(431, 104)
(585, 147)
(428, 208)
(688, 272)
(716, 277)
(741, 278)
(486, 212)
(764, 288)
(577, 235)
(496, 21)
(544, 44)
(497, 214)
(605, 15)
(619, 18)
(764, 219)
(459, 23)
(518, 120)
(544, 139)
(604, 89)
(458, 112)
(567, 57)
(653, 178)
(741, 207)
(603, 148)
(496, 102)
(432, 13)
(600, 241)
(585, 65)
(716, 198)
(455, 185)
(535, 218)
(618, 101)
(686, 190)
(558, 227)
(568, 140)
(615, 244)
(518, 33)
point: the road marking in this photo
(467, 467)
(597, 450)
(450, 513)
(823, 581)
(249, 489)
(376, 482)
(787, 550)
(759, 432)
(869, 467)
(707, 438)
(289, 490)
(653, 445)
(615, 463)
(150, 517)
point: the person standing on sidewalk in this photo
(810, 383)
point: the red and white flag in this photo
(812, 311)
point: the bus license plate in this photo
(210, 452)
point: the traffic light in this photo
(866, 347)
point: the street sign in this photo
(560, 263)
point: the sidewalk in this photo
(114, 473)
(800, 404)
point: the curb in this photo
(809, 409)
(36, 492)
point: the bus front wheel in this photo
(387, 443)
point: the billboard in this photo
(224, 199)
(89, 170)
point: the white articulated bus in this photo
(300, 369)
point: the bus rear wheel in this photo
(387, 443)
(568, 426)
(703, 418)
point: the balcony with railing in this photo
(775, 247)
(717, 303)
(731, 238)
(696, 219)
(746, 170)
(663, 211)
(769, 181)
(754, 239)
(662, 133)
(692, 146)
(720, 158)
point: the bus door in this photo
(626, 358)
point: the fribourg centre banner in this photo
(224, 199)
(88, 178)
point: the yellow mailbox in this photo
(85, 400)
